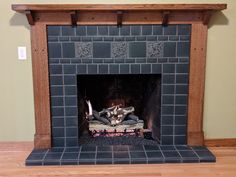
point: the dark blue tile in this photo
(173, 60)
(87, 162)
(70, 122)
(81, 69)
(180, 110)
(167, 148)
(162, 38)
(58, 142)
(57, 101)
(113, 31)
(72, 142)
(162, 60)
(108, 38)
(182, 78)
(71, 132)
(54, 50)
(156, 68)
(52, 38)
(103, 69)
(53, 30)
(151, 38)
(181, 100)
(183, 49)
(101, 50)
(167, 140)
(72, 149)
(145, 68)
(91, 30)
(55, 69)
(169, 68)
(103, 161)
(125, 30)
(56, 149)
(168, 79)
(171, 154)
(180, 140)
(167, 130)
(71, 111)
(141, 38)
(58, 132)
(187, 154)
(119, 38)
(53, 156)
(180, 130)
(57, 111)
(173, 38)
(147, 30)
(68, 31)
(181, 89)
(130, 38)
(51, 162)
(184, 29)
(135, 69)
(114, 69)
(183, 148)
(154, 154)
(137, 155)
(102, 30)
(135, 30)
(70, 156)
(170, 30)
(104, 155)
(36, 156)
(86, 39)
(182, 68)
(124, 69)
(58, 122)
(157, 30)
(180, 120)
(70, 90)
(167, 120)
(97, 38)
(151, 148)
(169, 49)
(137, 49)
(69, 69)
(69, 80)
(168, 99)
(155, 160)
(138, 161)
(33, 163)
(81, 31)
(90, 155)
(92, 69)
(121, 155)
(68, 50)
(199, 148)
(184, 38)
(69, 162)
(168, 89)
(75, 38)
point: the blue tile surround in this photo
(96, 155)
(147, 49)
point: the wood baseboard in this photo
(227, 142)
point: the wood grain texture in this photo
(13, 155)
(227, 142)
(93, 7)
(197, 83)
(41, 86)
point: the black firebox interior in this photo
(142, 91)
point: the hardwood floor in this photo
(13, 155)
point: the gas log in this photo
(113, 119)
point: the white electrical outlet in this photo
(22, 53)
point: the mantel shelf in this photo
(114, 7)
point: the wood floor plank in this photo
(13, 155)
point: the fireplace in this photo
(113, 46)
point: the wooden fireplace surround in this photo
(41, 15)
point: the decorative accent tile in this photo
(119, 50)
(154, 49)
(84, 49)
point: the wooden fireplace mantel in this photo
(41, 15)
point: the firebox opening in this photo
(121, 105)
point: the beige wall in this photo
(16, 92)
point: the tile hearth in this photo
(120, 154)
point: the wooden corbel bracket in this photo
(74, 17)
(206, 16)
(165, 17)
(30, 16)
(119, 18)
